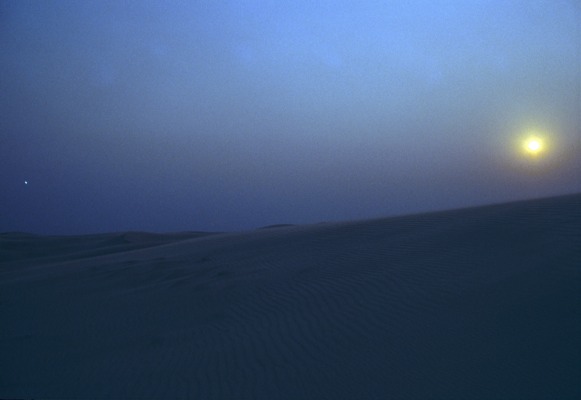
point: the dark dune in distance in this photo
(478, 303)
(46, 249)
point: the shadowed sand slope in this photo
(48, 249)
(481, 303)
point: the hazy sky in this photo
(229, 115)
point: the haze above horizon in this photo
(229, 115)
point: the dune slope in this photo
(477, 303)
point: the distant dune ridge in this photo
(480, 303)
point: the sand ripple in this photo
(477, 303)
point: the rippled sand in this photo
(480, 303)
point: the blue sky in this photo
(229, 115)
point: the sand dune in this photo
(481, 303)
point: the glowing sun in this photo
(533, 145)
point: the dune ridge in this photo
(476, 303)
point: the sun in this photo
(533, 145)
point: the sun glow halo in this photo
(533, 146)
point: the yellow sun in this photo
(533, 145)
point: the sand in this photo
(480, 303)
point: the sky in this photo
(230, 115)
